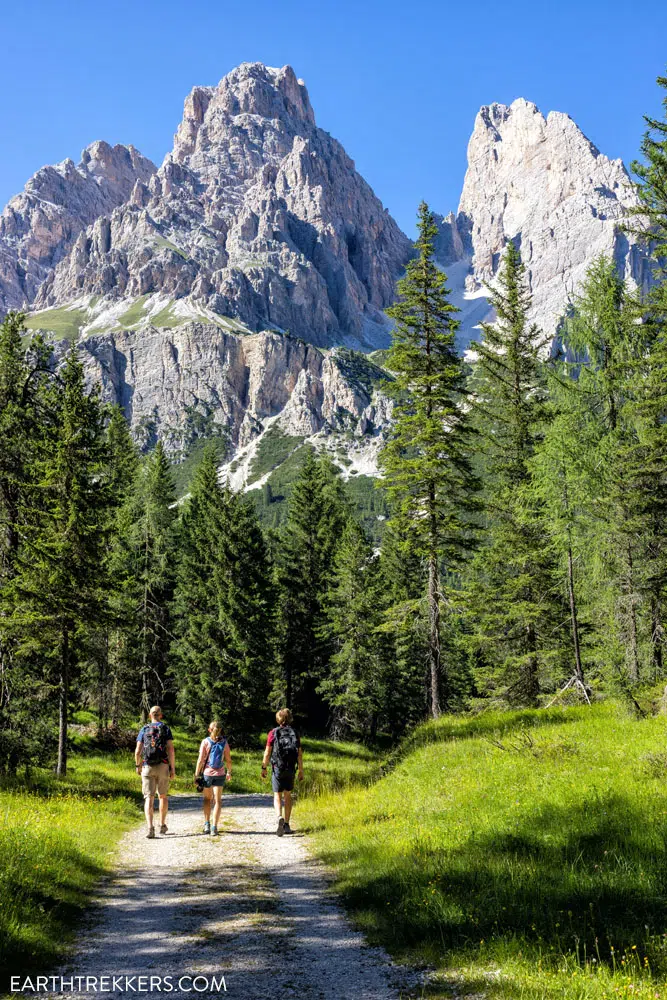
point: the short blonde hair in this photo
(284, 717)
(215, 730)
(155, 712)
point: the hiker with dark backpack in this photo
(156, 762)
(283, 749)
(214, 766)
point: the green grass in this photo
(162, 242)
(522, 854)
(273, 449)
(56, 839)
(134, 314)
(58, 836)
(65, 324)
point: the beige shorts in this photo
(154, 777)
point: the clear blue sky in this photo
(399, 83)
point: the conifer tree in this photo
(607, 345)
(144, 568)
(59, 585)
(316, 515)
(513, 597)
(429, 479)
(223, 607)
(353, 609)
(108, 643)
(25, 420)
(405, 627)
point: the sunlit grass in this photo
(521, 854)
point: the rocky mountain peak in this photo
(541, 182)
(38, 226)
(256, 215)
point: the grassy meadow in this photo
(58, 835)
(521, 855)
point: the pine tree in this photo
(196, 611)
(108, 643)
(316, 516)
(429, 479)
(223, 604)
(405, 625)
(59, 586)
(144, 570)
(513, 596)
(353, 609)
(607, 344)
(24, 422)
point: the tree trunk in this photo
(531, 677)
(634, 652)
(288, 685)
(61, 767)
(656, 637)
(434, 634)
(578, 669)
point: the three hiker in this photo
(283, 749)
(155, 760)
(215, 766)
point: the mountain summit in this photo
(256, 214)
(540, 182)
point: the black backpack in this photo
(285, 752)
(155, 743)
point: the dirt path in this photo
(246, 905)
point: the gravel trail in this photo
(247, 906)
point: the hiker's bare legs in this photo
(217, 795)
(278, 803)
(207, 804)
(149, 806)
(164, 808)
(288, 805)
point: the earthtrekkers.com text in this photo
(117, 984)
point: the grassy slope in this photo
(57, 836)
(533, 870)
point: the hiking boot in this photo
(163, 829)
(151, 833)
(207, 827)
(287, 828)
(214, 831)
(281, 827)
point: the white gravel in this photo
(247, 905)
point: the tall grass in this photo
(521, 854)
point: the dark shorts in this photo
(214, 782)
(282, 782)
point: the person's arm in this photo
(171, 755)
(228, 761)
(300, 763)
(267, 754)
(138, 753)
(201, 760)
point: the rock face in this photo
(257, 214)
(39, 226)
(540, 182)
(173, 384)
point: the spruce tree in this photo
(59, 586)
(145, 568)
(513, 596)
(353, 609)
(317, 513)
(405, 627)
(429, 480)
(223, 605)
